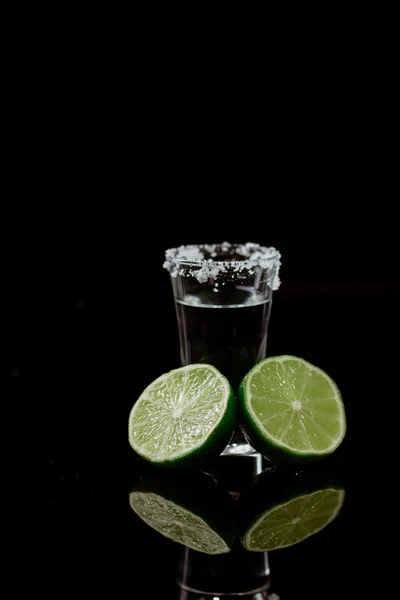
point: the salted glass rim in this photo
(180, 260)
(247, 250)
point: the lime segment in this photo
(190, 510)
(290, 523)
(177, 523)
(188, 413)
(292, 406)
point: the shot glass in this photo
(237, 574)
(223, 297)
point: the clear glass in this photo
(238, 574)
(223, 297)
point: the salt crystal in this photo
(198, 261)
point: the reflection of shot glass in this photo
(223, 295)
(236, 574)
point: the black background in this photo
(90, 321)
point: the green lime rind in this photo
(193, 512)
(282, 511)
(269, 446)
(213, 443)
(272, 532)
(276, 485)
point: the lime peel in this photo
(184, 417)
(300, 410)
(177, 523)
(296, 529)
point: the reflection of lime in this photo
(183, 418)
(291, 409)
(292, 522)
(194, 515)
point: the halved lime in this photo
(183, 418)
(292, 522)
(291, 409)
(185, 512)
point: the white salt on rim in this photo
(181, 260)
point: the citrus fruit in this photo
(291, 409)
(184, 418)
(187, 512)
(286, 524)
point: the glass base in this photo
(238, 574)
(236, 472)
(190, 594)
(235, 449)
(238, 446)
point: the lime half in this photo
(183, 418)
(185, 513)
(292, 522)
(291, 409)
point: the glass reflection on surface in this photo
(227, 534)
(238, 572)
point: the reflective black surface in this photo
(69, 469)
(74, 367)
